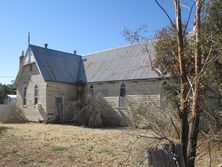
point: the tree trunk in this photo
(183, 82)
(193, 134)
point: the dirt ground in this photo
(33, 144)
(38, 145)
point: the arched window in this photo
(24, 95)
(91, 91)
(122, 94)
(36, 93)
(122, 91)
(30, 67)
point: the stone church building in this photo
(49, 81)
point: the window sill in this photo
(121, 108)
(35, 105)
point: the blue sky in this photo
(83, 25)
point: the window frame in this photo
(36, 95)
(122, 96)
(24, 96)
(91, 89)
(30, 67)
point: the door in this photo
(59, 107)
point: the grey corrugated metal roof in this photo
(124, 63)
(56, 65)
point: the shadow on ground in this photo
(3, 128)
(10, 114)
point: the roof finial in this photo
(29, 38)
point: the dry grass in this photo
(209, 154)
(33, 144)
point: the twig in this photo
(211, 138)
(141, 162)
(162, 8)
(209, 152)
(178, 134)
(129, 153)
(191, 88)
(156, 138)
(188, 19)
(199, 158)
(161, 74)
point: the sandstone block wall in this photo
(68, 94)
(29, 79)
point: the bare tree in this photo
(193, 134)
(190, 75)
(183, 81)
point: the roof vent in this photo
(75, 51)
(46, 45)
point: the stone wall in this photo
(139, 93)
(47, 109)
(68, 94)
(30, 77)
(133, 87)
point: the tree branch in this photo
(188, 19)
(161, 7)
(177, 131)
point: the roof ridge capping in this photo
(152, 41)
(54, 50)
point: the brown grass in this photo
(33, 144)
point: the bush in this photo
(95, 112)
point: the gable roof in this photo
(56, 65)
(124, 63)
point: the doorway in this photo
(59, 107)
